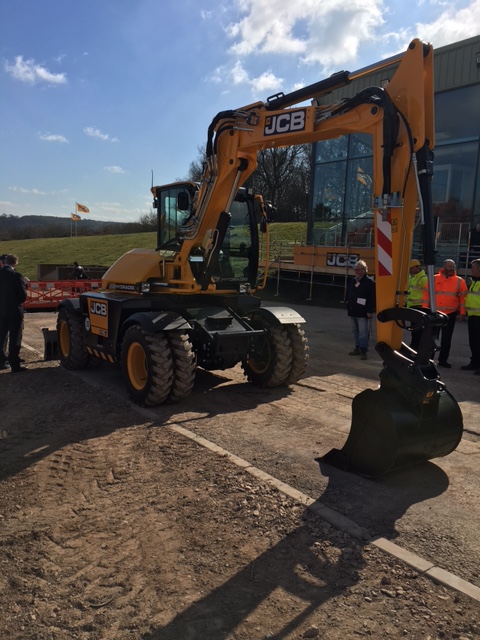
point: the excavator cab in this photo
(235, 266)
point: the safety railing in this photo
(47, 295)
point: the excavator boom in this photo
(425, 420)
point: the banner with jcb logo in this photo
(98, 316)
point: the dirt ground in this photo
(115, 525)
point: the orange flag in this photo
(82, 208)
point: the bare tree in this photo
(195, 170)
(148, 220)
(283, 177)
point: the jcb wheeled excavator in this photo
(189, 303)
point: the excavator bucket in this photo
(388, 433)
(410, 418)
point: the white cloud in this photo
(35, 192)
(323, 32)
(92, 132)
(331, 32)
(30, 72)
(451, 26)
(52, 137)
(114, 169)
(238, 75)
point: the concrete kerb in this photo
(342, 523)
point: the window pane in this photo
(328, 150)
(360, 145)
(453, 183)
(457, 114)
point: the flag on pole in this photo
(75, 217)
(82, 208)
(363, 177)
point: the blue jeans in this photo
(361, 332)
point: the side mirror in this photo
(183, 201)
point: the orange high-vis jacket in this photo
(450, 293)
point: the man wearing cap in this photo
(417, 280)
(450, 293)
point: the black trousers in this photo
(11, 326)
(446, 338)
(474, 339)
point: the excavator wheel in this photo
(184, 365)
(272, 365)
(71, 349)
(299, 352)
(148, 366)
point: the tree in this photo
(282, 176)
(195, 169)
(148, 220)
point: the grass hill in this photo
(106, 249)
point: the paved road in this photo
(432, 509)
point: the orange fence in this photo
(47, 295)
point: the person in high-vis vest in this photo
(417, 279)
(472, 307)
(450, 293)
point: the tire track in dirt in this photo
(91, 489)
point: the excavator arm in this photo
(411, 417)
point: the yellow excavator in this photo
(190, 301)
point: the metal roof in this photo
(455, 65)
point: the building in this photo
(341, 193)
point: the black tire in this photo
(184, 365)
(271, 367)
(70, 336)
(147, 365)
(299, 353)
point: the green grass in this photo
(105, 250)
(288, 231)
(87, 250)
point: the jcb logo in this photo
(98, 308)
(285, 123)
(342, 259)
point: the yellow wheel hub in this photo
(137, 366)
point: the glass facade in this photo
(341, 185)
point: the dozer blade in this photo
(387, 434)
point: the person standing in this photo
(360, 301)
(472, 307)
(417, 280)
(3, 345)
(13, 293)
(78, 272)
(474, 243)
(450, 292)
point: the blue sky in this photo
(95, 94)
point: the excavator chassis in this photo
(159, 341)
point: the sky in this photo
(95, 95)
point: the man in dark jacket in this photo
(360, 301)
(13, 294)
(78, 272)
